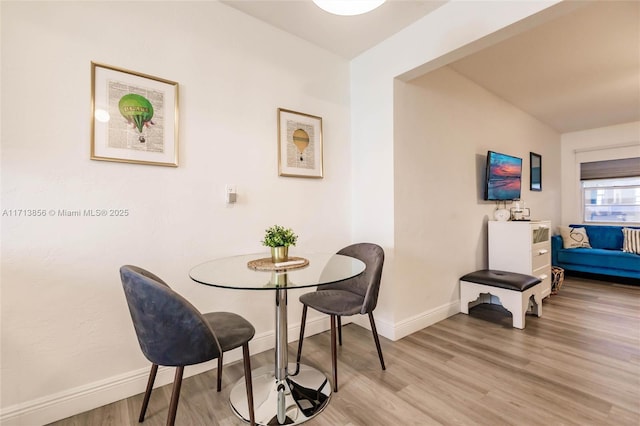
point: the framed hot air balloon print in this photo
(134, 117)
(299, 144)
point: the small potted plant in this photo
(279, 239)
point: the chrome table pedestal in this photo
(284, 394)
(283, 402)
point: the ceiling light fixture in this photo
(348, 7)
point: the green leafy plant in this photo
(279, 236)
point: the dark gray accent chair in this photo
(357, 295)
(172, 332)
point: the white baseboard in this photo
(410, 325)
(82, 398)
(67, 403)
(425, 319)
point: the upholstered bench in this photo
(514, 291)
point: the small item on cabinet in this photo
(501, 214)
(520, 212)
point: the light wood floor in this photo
(577, 365)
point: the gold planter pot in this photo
(279, 254)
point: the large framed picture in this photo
(134, 117)
(299, 144)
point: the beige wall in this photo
(67, 338)
(444, 126)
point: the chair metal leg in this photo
(302, 324)
(147, 393)
(376, 338)
(219, 384)
(334, 353)
(175, 396)
(340, 330)
(248, 382)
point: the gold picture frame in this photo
(299, 144)
(134, 117)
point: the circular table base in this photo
(289, 402)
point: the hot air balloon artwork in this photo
(300, 144)
(135, 117)
(300, 137)
(301, 141)
(137, 110)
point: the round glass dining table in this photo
(285, 394)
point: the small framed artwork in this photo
(536, 171)
(134, 117)
(299, 144)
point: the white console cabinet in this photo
(523, 247)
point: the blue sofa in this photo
(605, 257)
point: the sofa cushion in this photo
(574, 237)
(614, 259)
(631, 242)
(604, 236)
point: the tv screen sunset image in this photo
(503, 177)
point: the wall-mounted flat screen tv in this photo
(504, 177)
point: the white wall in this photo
(604, 143)
(444, 126)
(67, 339)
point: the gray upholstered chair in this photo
(172, 332)
(358, 295)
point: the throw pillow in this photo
(574, 237)
(631, 242)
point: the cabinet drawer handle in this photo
(543, 251)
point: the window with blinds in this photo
(611, 191)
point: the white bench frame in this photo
(516, 302)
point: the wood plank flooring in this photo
(577, 365)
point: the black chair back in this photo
(170, 330)
(366, 284)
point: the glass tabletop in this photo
(233, 272)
